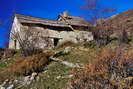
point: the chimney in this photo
(65, 14)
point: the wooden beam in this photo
(67, 22)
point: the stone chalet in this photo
(65, 28)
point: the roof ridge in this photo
(23, 15)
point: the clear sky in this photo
(49, 9)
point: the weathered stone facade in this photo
(56, 31)
(16, 26)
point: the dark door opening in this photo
(15, 44)
(56, 40)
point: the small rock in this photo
(2, 87)
(58, 77)
(11, 86)
(10, 82)
(29, 82)
(33, 76)
(5, 82)
(16, 81)
(67, 50)
(37, 78)
(45, 72)
(68, 76)
(27, 78)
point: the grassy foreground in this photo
(55, 75)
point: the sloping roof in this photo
(35, 20)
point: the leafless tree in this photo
(102, 32)
(30, 40)
(122, 34)
(96, 11)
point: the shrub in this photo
(30, 51)
(6, 76)
(123, 37)
(90, 44)
(111, 70)
(28, 65)
(8, 53)
(1, 52)
(102, 32)
(65, 44)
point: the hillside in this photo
(55, 75)
(124, 20)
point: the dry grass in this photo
(24, 66)
(65, 44)
(28, 65)
(8, 53)
(111, 70)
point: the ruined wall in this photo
(74, 36)
(39, 36)
(77, 36)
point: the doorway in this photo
(56, 41)
(15, 44)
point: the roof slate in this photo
(74, 21)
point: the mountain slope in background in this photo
(123, 21)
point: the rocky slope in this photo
(123, 21)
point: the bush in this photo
(1, 52)
(102, 32)
(28, 65)
(8, 53)
(123, 37)
(111, 70)
(65, 44)
(90, 44)
(30, 51)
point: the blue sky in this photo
(49, 9)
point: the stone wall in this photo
(74, 36)
(16, 27)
